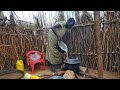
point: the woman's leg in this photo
(56, 68)
(47, 63)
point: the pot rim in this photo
(70, 61)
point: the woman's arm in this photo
(56, 27)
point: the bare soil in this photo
(92, 72)
(106, 74)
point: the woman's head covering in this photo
(70, 22)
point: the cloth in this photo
(52, 54)
(70, 23)
(35, 56)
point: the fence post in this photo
(98, 43)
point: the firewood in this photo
(69, 74)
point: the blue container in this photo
(56, 77)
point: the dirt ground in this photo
(92, 72)
(40, 71)
(106, 74)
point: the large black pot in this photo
(72, 64)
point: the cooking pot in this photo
(62, 47)
(72, 64)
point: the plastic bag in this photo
(20, 65)
(35, 56)
(34, 77)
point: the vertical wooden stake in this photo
(98, 44)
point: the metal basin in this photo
(62, 47)
(56, 77)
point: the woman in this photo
(53, 55)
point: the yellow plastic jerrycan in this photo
(20, 65)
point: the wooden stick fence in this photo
(15, 42)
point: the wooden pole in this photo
(98, 44)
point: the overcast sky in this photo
(28, 15)
(23, 15)
(49, 15)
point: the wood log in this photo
(98, 44)
(78, 76)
